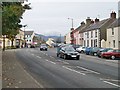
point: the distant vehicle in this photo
(94, 51)
(100, 51)
(81, 49)
(68, 52)
(32, 46)
(76, 46)
(113, 54)
(43, 47)
(88, 50)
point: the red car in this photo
(111, 54)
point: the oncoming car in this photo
(68, 52)
(43, 47)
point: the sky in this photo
(50, 17)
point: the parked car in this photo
(113, 54)
(68, 52)
(94, 51)
(102, 50)
(43, 47)
(81, 49)
(87, 50)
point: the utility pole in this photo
(24, 35)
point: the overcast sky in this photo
(51, 18)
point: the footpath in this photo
(13, 74)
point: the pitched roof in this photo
(116, 23)
(29, 32)
(100, 24)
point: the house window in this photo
(113, 43)
(87, 34)
(95, 33)
(91, 43)
(112, 31)
(87, 43)
(91, 34)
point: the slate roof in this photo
(100, 24)
(116, 23)
(29, 32)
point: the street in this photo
(53, 72)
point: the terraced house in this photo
(113, 35)
(96, 34)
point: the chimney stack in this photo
(82, 23)
(113, 15)
(88, 20)
(96, 20)
(92, 21)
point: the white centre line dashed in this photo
(88, 70)
(73, 70)
(38, 56)
(65, 62)
(50, 61)
(111, 83)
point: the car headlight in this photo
(68, 54)
(78, 54)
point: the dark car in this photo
(43, 47)
(94, 51)
(113, 54)
(87, 50)
(68, 52)
(102, 51)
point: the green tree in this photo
(11, 17)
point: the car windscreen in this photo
(70, 49)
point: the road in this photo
(53, 72)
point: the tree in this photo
(11, 18)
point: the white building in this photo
(29, 37)
(68, 38)
(113, 35)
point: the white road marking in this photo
(73, 70)
(51, 56)
(88, 70)
(109, 79)
(112, 60)
(111, 83)
(32, 54)
(65, 62)
(38, 56)
(46, 54)
(50, 61)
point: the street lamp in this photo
(72, 21)
(24, 34)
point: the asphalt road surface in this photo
(53, 72)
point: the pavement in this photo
(13, 74)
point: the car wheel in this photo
(95, 54)
(77, 58)
(65, 57)
(113, 57)
(82, 51)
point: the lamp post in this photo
(24, 34)
(71, 34)
(72, 21)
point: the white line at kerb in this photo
(88, 70)
(50, 61)
(111, 83)
(73, 70)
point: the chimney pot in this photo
(113, 15)
(96, 20)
